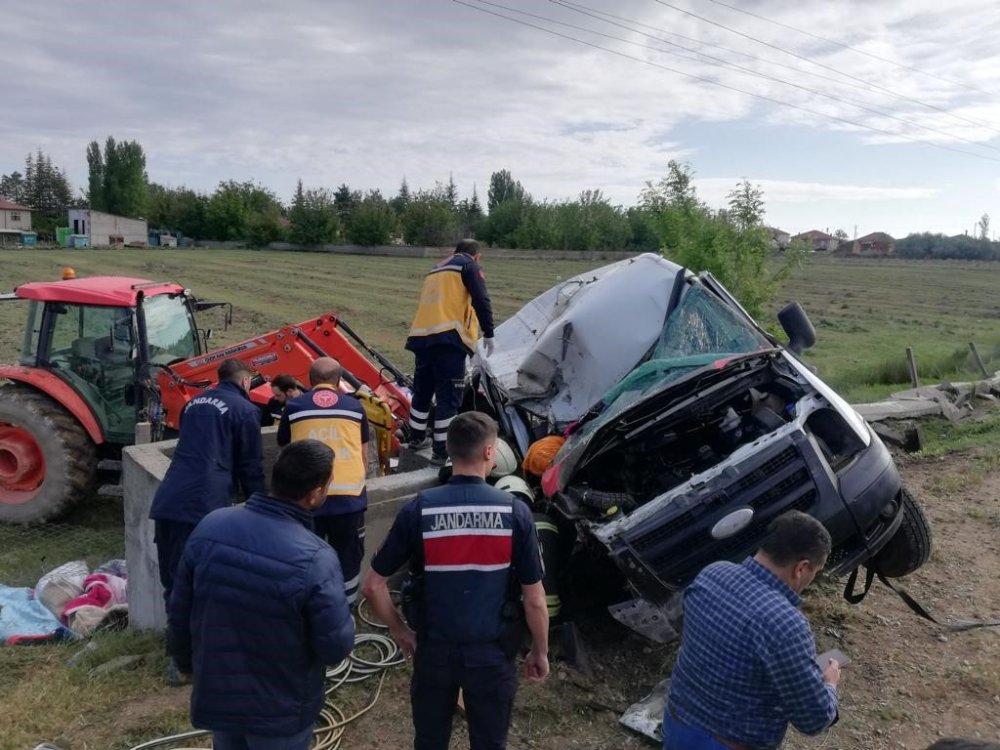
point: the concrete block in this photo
(143, 468)
(907, 409)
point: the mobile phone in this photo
(836, 654)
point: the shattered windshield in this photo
(701, 330)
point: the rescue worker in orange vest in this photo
(454, 305)
(339, 420)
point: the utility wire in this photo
(726, 86)
(733, 66)
(823, 65)
(579, 7)
(912, 69)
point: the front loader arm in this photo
(290, 351)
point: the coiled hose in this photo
(383, 653)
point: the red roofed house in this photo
(818, 241)
(14, 219)
(876, 243)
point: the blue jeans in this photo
(236, 741)
(680, 736)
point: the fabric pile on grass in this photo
(68, 601)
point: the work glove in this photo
(488, 346)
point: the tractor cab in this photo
(100, 336)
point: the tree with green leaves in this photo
(12, 187)
(44, 188)
(402, 198)
(345, 200)
(746, 205)
(95, 176)
(243, 211)
(732, 245)
(117, 182)
(502, 188)
(314, 217)
(372, 221)
(429, 220)
(177, 209)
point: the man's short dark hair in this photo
(467, 247)
(468, 434)
(301, 467)
(795, 536)
(233, 370)
(285, 383)
(960, 743)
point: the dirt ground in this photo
(910, 683)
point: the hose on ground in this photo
(373, 655)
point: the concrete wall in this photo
(100, 227)
(143, 468)
(22, 222)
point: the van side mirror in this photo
(797, 326)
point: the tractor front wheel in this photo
(47, 460)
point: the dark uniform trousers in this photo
(488, 680)
(439, 374)
(345, 532)
(170, 538)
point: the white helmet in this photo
(515, 486)
(506, 460)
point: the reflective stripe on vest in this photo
(340, 429)
(446, 305)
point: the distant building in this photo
(819, 242)
(876, 243)
(14, 219)
(779, 238)
(107, 229)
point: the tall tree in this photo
(313, 216)
(746, 205)
(984, 227)
(503, 187)
(451, 191)
(95, 176)
(372, 221)
(121, 175)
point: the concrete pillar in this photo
(143, 468)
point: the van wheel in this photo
(910, 547)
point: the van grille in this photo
(678, 548)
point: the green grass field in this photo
(866, 313)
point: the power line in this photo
(866, 87)
(953, 82)
(726, 86)
(821, 65)
(727, 64)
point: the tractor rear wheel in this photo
(47, 460)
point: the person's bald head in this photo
(325, 370)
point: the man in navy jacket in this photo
(218, 451)
(258, 611)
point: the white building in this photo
(14, 219)
(107, 229)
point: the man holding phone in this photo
(747, 664)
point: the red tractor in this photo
(104, 353)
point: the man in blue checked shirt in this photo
(747, 665)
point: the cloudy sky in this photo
(368, 91)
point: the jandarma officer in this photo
(473, 553)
